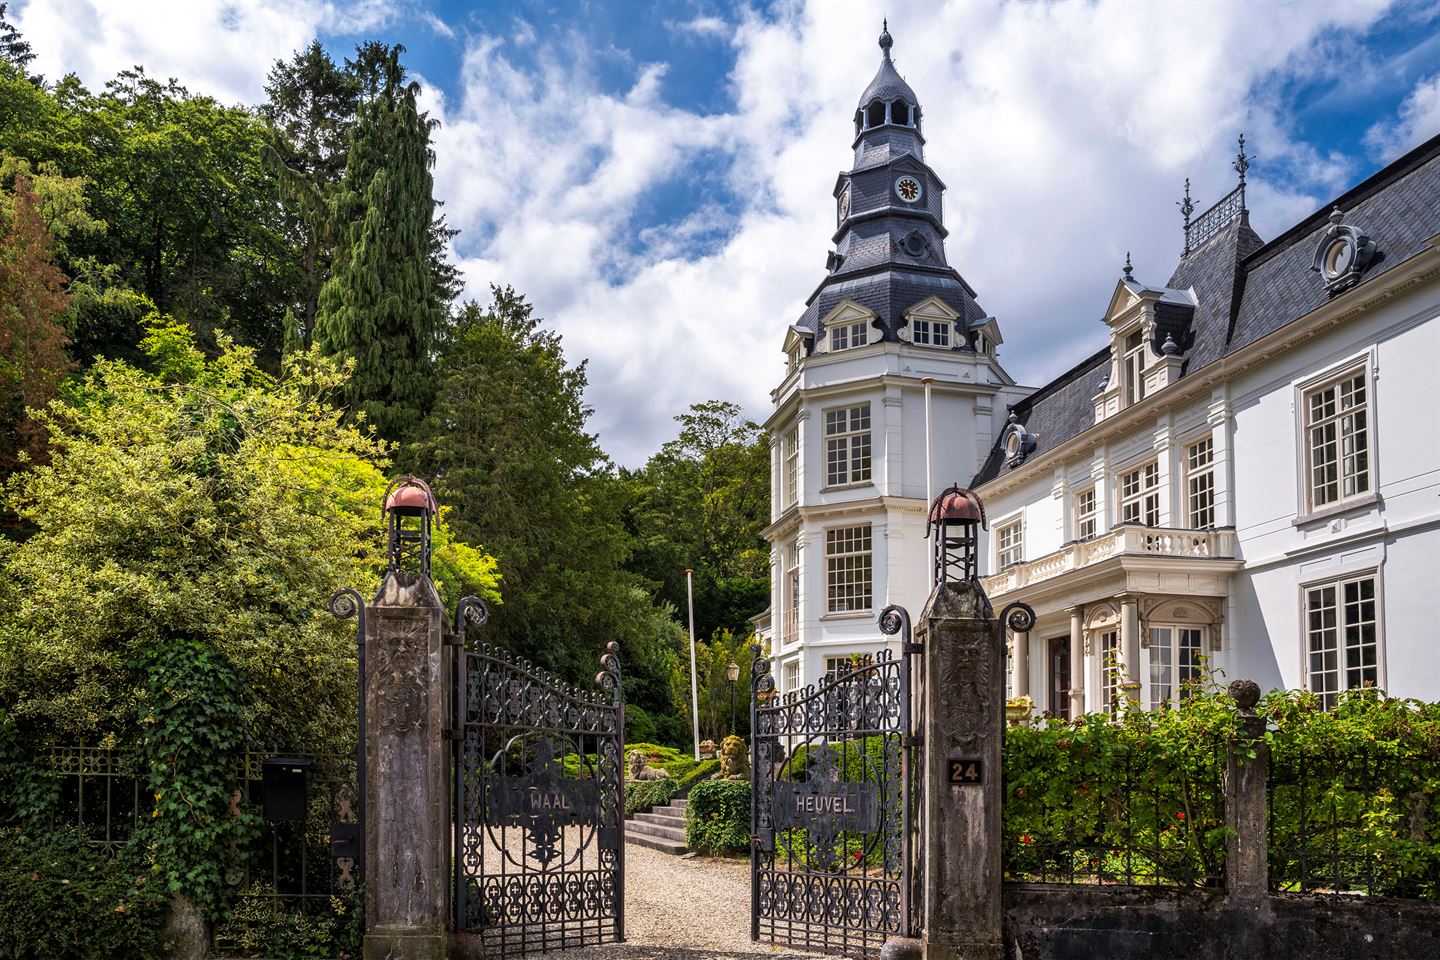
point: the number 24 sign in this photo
(966, 771)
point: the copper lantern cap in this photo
(410, 495)
(957, 503)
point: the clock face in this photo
(844, 210)
(908, 189)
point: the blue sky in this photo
(656, 176)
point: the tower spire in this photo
(1241, 164)
(885, 41)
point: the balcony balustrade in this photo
(1128, 540)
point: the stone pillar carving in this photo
(1247, 871)
(964, 651)
(407, 774)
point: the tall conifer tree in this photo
(380, 305)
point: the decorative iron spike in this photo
(1128, 269)
(1187, 207)
(1242, 162)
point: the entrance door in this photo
(1059, 674)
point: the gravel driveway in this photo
(684, 909)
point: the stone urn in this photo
(707, 749)
(1019, 710)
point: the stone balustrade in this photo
(1128, 540)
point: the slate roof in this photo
(888, 84)
(1245, 289)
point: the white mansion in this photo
(1247, 478)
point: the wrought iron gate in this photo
(833, 812)
(539, 843)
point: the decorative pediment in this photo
(1128, 295)
(797, 336)
(847, 311)
(988, 327)
(931, 308)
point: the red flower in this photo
(1181, 814)
(1026, 838)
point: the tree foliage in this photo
(380, 305)
(33, 361)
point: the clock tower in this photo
(892, 330)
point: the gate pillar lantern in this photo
(964, 713)
(406, 784)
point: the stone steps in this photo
(663, 828)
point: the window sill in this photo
(1337, 509)
(849, 615)
(857, 485)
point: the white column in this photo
(892, 484)
(777, 467)
(1165, 462)
(1077, 662)
(1104, 508)
(803, 616)
(1022, 663)
(1130, 642)
(811, 479)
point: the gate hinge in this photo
(454, 639)
(451, 734)
(912, 648)
(912, 740)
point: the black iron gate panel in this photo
(539, 843)
(833, 809)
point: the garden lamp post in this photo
(732, 673)
(956, 518)
(409, 508)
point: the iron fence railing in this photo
(1361, 821)
(286, 872)
(1135, 813)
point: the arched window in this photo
(859, 121)
(900, 113)
(875, 114)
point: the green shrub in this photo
(639, 724)
(257, 929)
(717, 817)
(643, 795)
(61, 899)
(655, 755)
(703, 770)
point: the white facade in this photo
(827, 589)
(1276, 512)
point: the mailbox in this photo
(282, 784)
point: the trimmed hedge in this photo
(698, 772)
(717, 817)
(62, 899)
(642, 795)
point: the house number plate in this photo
(966, 771)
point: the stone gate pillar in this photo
(407, 773)
(964, 656)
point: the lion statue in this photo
(734, 760)
(640, 770)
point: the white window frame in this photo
(1145, 496)
(838, 664)
(1111, 682)
(1341, 608)
(849, 553)
(790, 468)
(1177, 655)
(1009, 543)
(1090, 517)
(931, 333)
(1132, 364)
(790, 676)
(1307, 424)
(790, 601)
(1198, 468)
(848, 336)
(848, 445)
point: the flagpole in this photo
(694, 684)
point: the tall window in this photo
(1200, 484)
(847, 445)
(849, 335)
(790, 469)
(836, 667)
(934, 333)
(1086, 515)
(1009, 544)
(791, 622)
(1111, 674)
(1175, 654)
(1337, 438)
(1134, 363)
(1140, 495)
(847, 569)
(791, 678)
(1340, 621)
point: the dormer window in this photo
(931, 333)
(1133, 366)
(981, 345)
(849, 335)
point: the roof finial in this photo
(885, 42)
(1241, 164)
(1187, 207)
(1128, 268)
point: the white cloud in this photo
(1417, 120)
(1064, 133)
